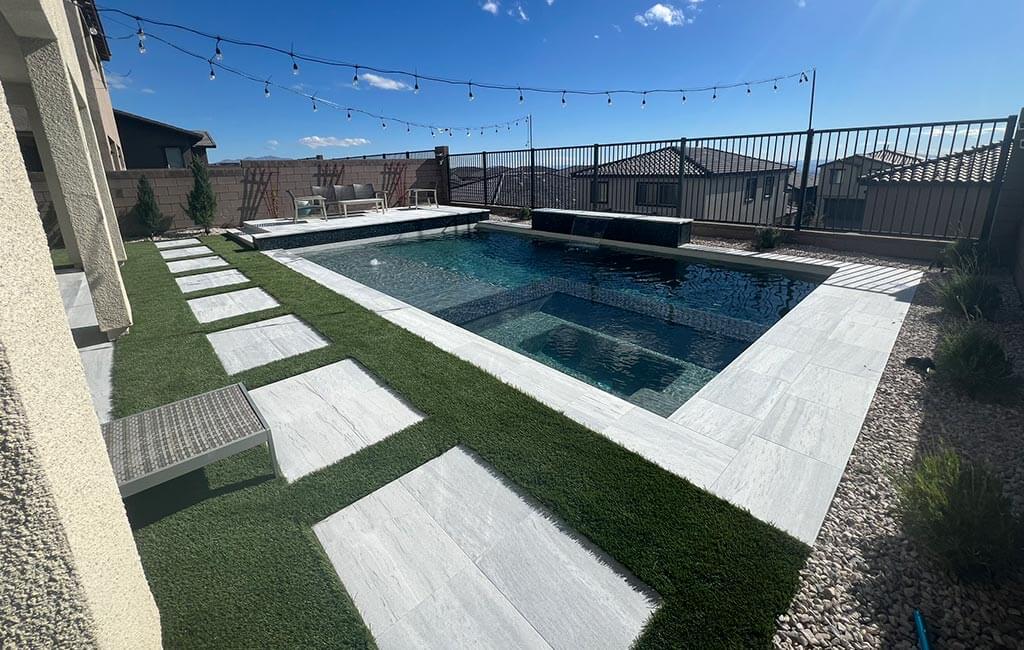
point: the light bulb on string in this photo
(384, 125)
(416, 87)
(684, 98)
(355, 77)
(217, 54)
(563, 99)
(609, 98)
(643, 102)
(314, 104)
(775, 85)
(432, 133)
(295, 64)
(748, 90)
(521, 100)
(468, 134)
(141, 34)
(715, 96)
(266, 89)
(471, 97)
(213, 75)
(407, 129)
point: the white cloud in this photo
(324, 141)
(518, 13)
(384, 83)
(597, 37)
(118, 81)
(522, 14)
(550, 2)
(801, 3)
(668, 15)
(272, 144)
(147, 91)
(491, 7)
(617, 28)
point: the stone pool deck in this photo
(771, 433)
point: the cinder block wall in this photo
(250, 190)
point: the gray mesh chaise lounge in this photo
(359, 194)
(155, 446)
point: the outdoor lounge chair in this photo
(306, 206)
(155, 446)
(359, 194)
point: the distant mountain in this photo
(235, 161)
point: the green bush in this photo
(147, 212)
(965, 254)
(973, 359)
(765, 238)
(202, 202)
(968, 292)
(525, 214)
(957, 510)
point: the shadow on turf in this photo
(152, 505)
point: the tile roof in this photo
(556, 189)
(976, 165)
(894, 158)
(699, 161)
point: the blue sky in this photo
(878, 61)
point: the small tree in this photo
(147, 212)
(202, 203)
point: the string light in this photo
(748, 90)
(468, 134)
(563, 99)
(643, 102)
(314, 104)
(416, 88)
(715, 96)
(384, 125)
(609, 99)
(213, 74)
(775, 85)
(266, 89)
(471, 97)
(684, 99)
(802, 76)
(141, 34)
(355, 77)
(349, 114)
(217, 54)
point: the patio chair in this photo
(305, 206)
(429, 191)
(327, 192)
(359, 194)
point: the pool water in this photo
(652, 330)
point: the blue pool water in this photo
(649, 329)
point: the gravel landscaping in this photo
(864, 578)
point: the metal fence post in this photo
(682, 172)
(533, 178)
(484, 155)
(805, 171)
(593, 180)
(407, 155)
(997, 184)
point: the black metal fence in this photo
(396, 155)
(936, 180)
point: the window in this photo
(750, 189)
(835, 176)
(769, 187)
(174, 157)
(657, 194)
(599, 191)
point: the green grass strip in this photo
(229, 550)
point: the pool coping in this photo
(771, 433)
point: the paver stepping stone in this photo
(451, 555)
(177, 243)
(234, 303)
(324, 415)
(197, 264)
(190, 251)
(256, 344)
(204, 281)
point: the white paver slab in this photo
(190, 251)
(451, 556)
(256, 344)
(233, 303)
(197, 264)
(321, 416)
(98, 363)
(177, 243)
(213, 280)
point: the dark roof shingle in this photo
(976, 165)
(699, 161)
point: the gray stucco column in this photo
(110, 216)
(75, 179)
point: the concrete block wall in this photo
(250, 190)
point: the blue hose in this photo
(922, 633)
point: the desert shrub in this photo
(202, 202)
(147, 212)
(765, 238)
(524, 214)
(972, 358)
(967, 291)
(957, 510)
(965, 254)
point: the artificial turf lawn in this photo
(229, 551)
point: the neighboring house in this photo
(516, 187)
(947, 195)
(840, 195)
(751, 189)
(149, 144)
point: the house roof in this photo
(555, 188)
(884, 156)
(203, 139)
(977, 165)
(698, 161)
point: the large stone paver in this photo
(324, 415)
(212, 280)
(211, 262)
(189, 251)
(260, 343)
(451, 556)
(233, 303)
(177, 243)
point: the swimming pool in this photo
(652, 330)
